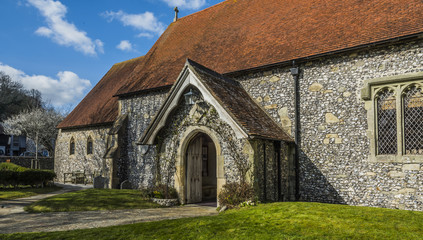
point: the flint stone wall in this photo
(141, 110)
(202, 114)
(263, 168)
(334, 165)
(143, 168)
(91, 164)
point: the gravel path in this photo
(14, 219)
(16, 205)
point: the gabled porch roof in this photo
(233, 104)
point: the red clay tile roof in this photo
(99, 106)
(242, 34)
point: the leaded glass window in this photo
(72, 147)
(89, 145)
(386, 123)
(394, 107)
(413, 121)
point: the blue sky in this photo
(64, 47)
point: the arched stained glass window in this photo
(386, 123)
(413, 120)
(72, 147)
(89, 145)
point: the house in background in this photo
(12, 145)
(318, 101)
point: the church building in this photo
(307, 100)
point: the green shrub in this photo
(8, 177)
(234, 194)
(163, 191)
(146, 192)
(36, 177)
(12, 174)
(12, 167)
(159, 191)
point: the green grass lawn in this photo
(91, 200)
(266, 221)
(12, 193)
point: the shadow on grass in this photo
(93, 200)
(287, 220)
(25, 191)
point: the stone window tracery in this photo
(399, 126)
(394, 107)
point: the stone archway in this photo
(201, 180)
(193, 182)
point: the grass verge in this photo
(12, 193)
(92, 200)
(294, 220)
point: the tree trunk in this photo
(36, 146)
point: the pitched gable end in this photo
(231, 101)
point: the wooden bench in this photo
(77, 177)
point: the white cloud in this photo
(147, 35)
(67, 88)
(124, 45)
(61, 31)
(43, 31)
(100, 45)
(186, 4)
(145, 22)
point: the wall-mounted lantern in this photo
(189, 98)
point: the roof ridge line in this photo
(210, 71)
(206, 9)
(129, 60)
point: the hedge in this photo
(12, 167)
(11, 174)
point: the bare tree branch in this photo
(37, 124)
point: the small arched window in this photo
(412, 101)
(386, 122)
(89, 145)
(72, 147)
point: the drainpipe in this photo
(295, 72)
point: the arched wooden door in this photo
(194, 178)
